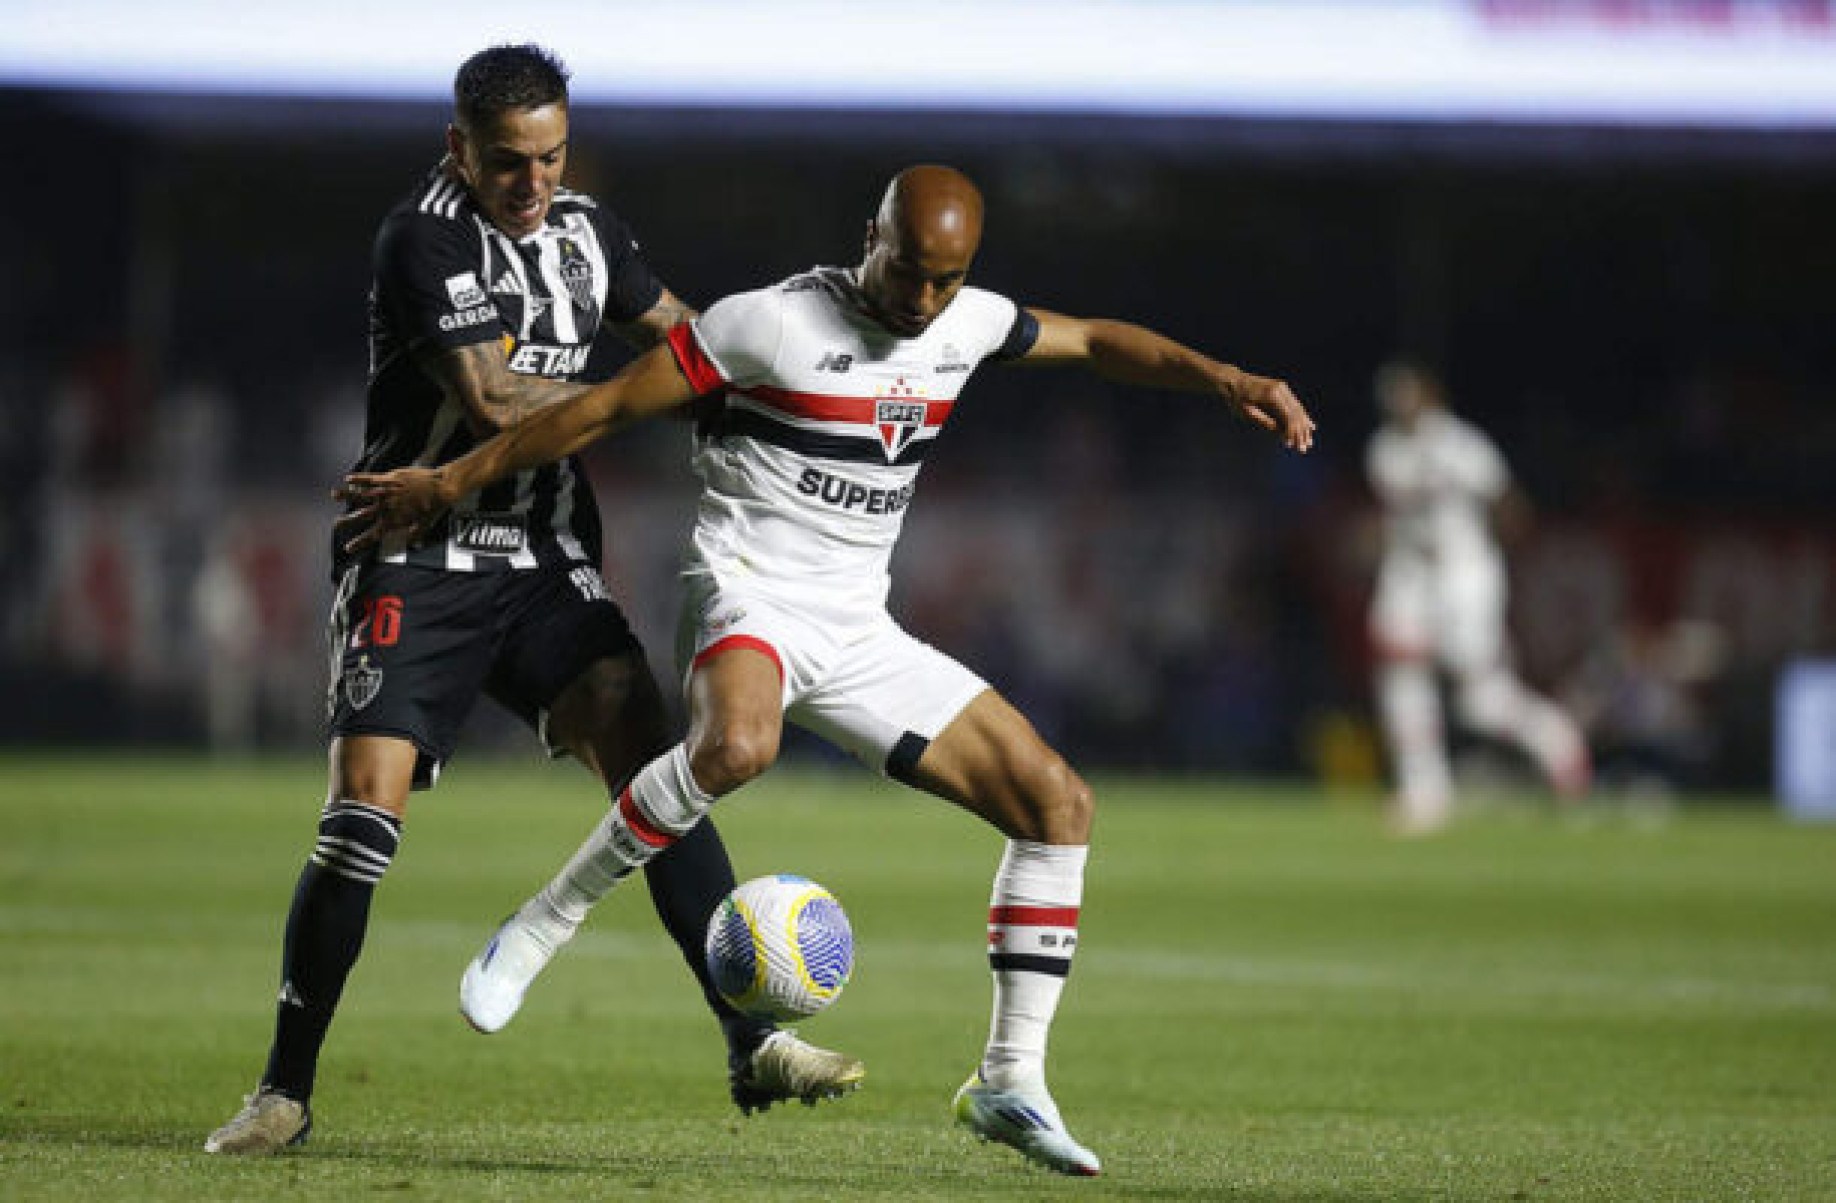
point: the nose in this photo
(925, 300)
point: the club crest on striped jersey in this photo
(576, 272)
(898, 416)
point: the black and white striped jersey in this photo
(446, 277)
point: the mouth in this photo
(523, 212)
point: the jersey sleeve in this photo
(1488, 474)
(734, 343)
(632, 288)
(427, 282)
(1003, 330)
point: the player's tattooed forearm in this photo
(493, 395)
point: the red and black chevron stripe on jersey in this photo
(787, 418)
(822, 407)
(816, 444)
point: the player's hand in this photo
(1272, 405)
(407, 500)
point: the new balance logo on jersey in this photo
(535, 359)
(834, 361)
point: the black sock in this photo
(325, 929)
(687, 883)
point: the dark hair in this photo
(503, 78)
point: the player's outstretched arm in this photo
(410, 499)
(479, 379)
(649, 329)
(1131, 354)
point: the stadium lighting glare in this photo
(1742, 63)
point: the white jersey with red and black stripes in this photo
(811, 461)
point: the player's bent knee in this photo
(374, 770)
(1058, 805)
(1075, 810)
(722, 760)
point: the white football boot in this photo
(1024, 1119)
(491, 991)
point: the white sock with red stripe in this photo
(1032, 932)
(659, 806)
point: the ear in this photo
(872, 238)
(455, 150)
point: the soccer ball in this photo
(780, 947)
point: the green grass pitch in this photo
(1273, 1001)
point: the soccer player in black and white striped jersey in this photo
(491, 283)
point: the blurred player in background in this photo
(838, 382)
(1440, 602)
(491, 283)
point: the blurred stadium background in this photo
(1608, 221)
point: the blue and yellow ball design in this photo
(780, 947)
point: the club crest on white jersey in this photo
(899, 416)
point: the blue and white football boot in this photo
(1025, 1119)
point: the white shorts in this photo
(851, 674)
(1454, 615)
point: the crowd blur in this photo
(1641, 327)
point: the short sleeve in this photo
(734, 342)
(990, 326)
(1487, 473)
(632, 288)
(427, 283)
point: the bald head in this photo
(920, 245)
(932, 205)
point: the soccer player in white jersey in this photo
(836, 384)
(1440, 603)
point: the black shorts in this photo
(412, 648)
